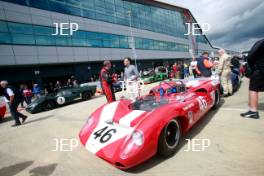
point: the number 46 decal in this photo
(104, 134)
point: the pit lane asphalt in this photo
(237, 145)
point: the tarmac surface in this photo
(236, 144)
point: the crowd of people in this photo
(51, 87)
(203, 66)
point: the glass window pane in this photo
(73, 2)
(79, 34)
(63, 40)
(42, 30)
(89, 14)
(23, 39)
(5, 38)
(42, 4)
(123, 42)
(96, 43)
(115, 41)
(21, 2)
(106, 44)
(45, 40)
(73, 10)
(88, 4)
(3, 26)
(79, 42)
(58, 6)
(20, 28)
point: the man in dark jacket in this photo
(106, 81)
(256, 82)
(204, 65)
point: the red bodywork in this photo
(109, 132)
(2, 108)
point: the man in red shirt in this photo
(174, 70)
(106, 81)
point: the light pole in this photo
(132, 37)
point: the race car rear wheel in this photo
(169, 138)
(48, 105)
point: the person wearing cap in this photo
(106, 81)
(13, 98)
(224, 71)
(204, 65)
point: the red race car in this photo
(126, 133)
(2, 108)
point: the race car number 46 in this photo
(104, 134)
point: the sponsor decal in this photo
(188, 106)
(104, 133)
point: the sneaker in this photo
(24, 119)
(250, 114)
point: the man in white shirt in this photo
(131, 76)
(13, 101)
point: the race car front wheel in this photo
(169, 138)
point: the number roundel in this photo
(60, 100)
(103, 134)
(202, 103)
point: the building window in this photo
(27, 34)
(116, 11)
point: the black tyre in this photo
(86, 95)
(217, 99)
(169, 138)
(48, 105)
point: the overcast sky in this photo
(234, 24)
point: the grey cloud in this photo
(234, 24)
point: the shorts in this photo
(256, 82)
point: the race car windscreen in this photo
(148, 103)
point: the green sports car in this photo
(161, 73)
(62, 97)
(150, 75)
